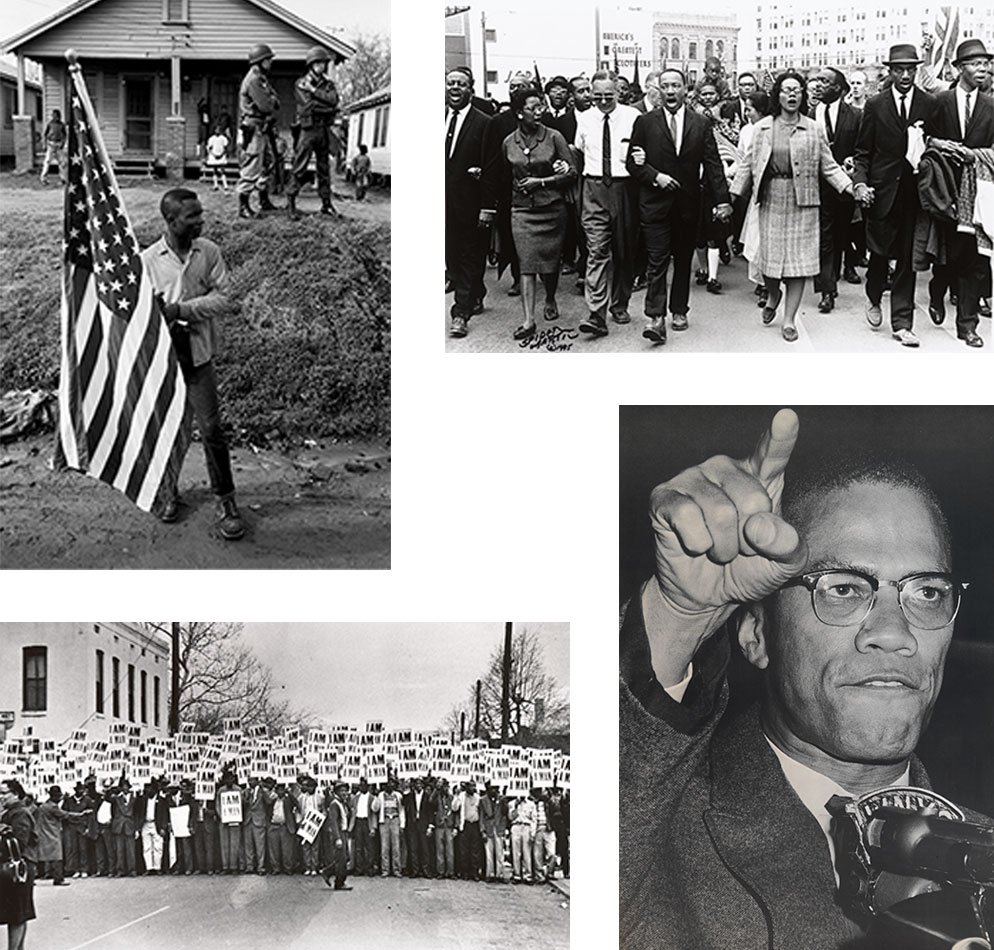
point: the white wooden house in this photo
(149, 63)
(8, 107)
(369, 125)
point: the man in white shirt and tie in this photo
(362, 829)
(609, 218)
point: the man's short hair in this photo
(575, 80)
(173, 200)
(604, 75)
(678, 72)
(465, 70)
(815, 477)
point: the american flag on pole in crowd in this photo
(123, 415)
(945, 36)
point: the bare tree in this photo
(367, 71)
(219, 678)
(538, 704)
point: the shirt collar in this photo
(909, 98)
(814, 789)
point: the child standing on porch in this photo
(217, 152)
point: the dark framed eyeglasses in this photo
(841, 598)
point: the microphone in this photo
(910, 843)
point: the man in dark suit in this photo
(419, 816)
(835, 211)
(469, 198)
(734, 109)
(674, 144)
(256, 809)
(884, 176)
(728, 827)
(557, 94)
(124, 828)
(963, 119)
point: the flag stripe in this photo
(122, 398)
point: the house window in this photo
(99, 706)
(115, 688)
(138, 114)
(384, 120)
(664, 48)
(9, 106)
(175, 11)
(144, 697)
(691, 50)
(35, 679)
(155, 698)
(675, 48)
(131, 693)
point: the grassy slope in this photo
(308, 353)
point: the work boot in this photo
(264, 203)
(291, 208)
(327, 208)
(229, 521)
(245, 208)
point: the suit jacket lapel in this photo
(664, 120)
(768, 839)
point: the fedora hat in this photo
(903, 54)
(971, 49)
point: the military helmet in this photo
(259, 52)
(318, 54)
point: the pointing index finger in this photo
(772, 453)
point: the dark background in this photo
(952, 445)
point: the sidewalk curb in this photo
(561, 885)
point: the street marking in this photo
(118, 929)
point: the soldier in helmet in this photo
(317, 105)
(258, 105)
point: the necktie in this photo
(676, 145)
(904, 109)
(606, 151)
(450, 133)
(828, 124)
(967, 114)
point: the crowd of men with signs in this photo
(410, 802)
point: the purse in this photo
(13, 868)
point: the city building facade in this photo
(59, 677)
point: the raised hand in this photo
(720, 541)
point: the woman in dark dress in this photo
(17, 905)
(541, 169)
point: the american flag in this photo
(945, 36)
(123, 415)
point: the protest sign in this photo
(179, 821)
(310, 825)
(231, 807)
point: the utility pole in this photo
(483, 28)
(505, 685)
(174, 690)
(476, 731)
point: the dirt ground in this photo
(326, 507)
(321, 508)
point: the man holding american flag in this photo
(190, 282)
(124, 417)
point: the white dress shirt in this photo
(908, 99)
(680, 115)
(460, 119)
(961, 97)
(362, 805)
(590, 135)
(833, 114)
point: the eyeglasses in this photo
(599, 97)
(929, 601)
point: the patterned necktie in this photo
(676, 145)
(606, 151)
(904, 109)
(828, 124)
(967, 114)
(450, 133)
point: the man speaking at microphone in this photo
(841, 582)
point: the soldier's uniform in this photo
(317, 106)
(258, 103)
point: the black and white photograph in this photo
(195, 281)
(763, 179)
(199, 785)
(807, 677)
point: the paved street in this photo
(296, 913)
(729, 323)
